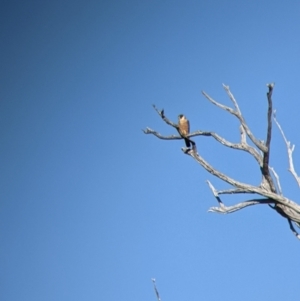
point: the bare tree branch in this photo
(288, 212)
(164, 118)
(230, 209)
(234, 191)
(239, 185)
(240, 146)
(244, 137)
(226, 88)
(257, 143)
(246, 187)
(266, 191)
(158, 135)
(225, 209)
(155, 289)
(265, 168)
(290, 149)
(293, 229)
(277, 179)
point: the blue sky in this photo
(91, 208)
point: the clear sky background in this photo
(91, 208)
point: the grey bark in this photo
(269, 190)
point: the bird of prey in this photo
(184, 128)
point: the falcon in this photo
(184, 128)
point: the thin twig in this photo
(215, 193)
(230, 209)
(164, 118)
(277, 179)
(237, 114)
(227, 89)
(290, 149)
(155, 289)
(293, 229)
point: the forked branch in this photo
(267, 192)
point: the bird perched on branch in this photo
(184, 128)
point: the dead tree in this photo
(269, 191)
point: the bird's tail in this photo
(187, 142)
